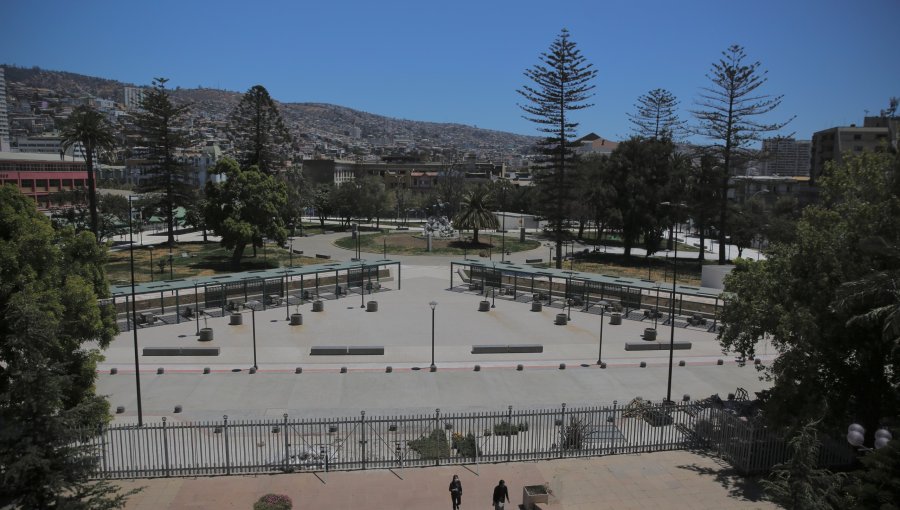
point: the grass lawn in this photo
(194, 259)
(407, 243)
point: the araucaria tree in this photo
(50, 285)
(258, 131)
(89, 127)
(246, 208)
(656, 116)
(728, 112)
(158, 125)
(561, 85)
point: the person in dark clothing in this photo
(456, 492)
(501, 494)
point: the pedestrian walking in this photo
(456, 492)
(501, 495)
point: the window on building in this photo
(857, 137)
(54, 183)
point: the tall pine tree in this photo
(561, 84)
(258, 131)
(160, 131)
(728, 113)
(656, 116)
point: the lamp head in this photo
(433, 304)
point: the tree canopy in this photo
(560, 84)
(656, 116)
(245, 208)
(825, 302)
(258, 131)
(50, 283)
(476, 211)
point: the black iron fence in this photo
(376, 442)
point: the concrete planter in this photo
(532, 494)
(484, 306)
(536, 306)
(372, 306)
(561, 319)
(206, 334)
(236, 319)
(296, 319)
(318, 306)
(649, 334)
(615, 318)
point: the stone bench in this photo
(343, 350)
(507, 349)
(321, 256)
(658, 345)
(181, 351)
(533, 261)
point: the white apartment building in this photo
(4, 116)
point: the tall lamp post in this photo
(151, 261)
(602, 304)
(856, 436)
(252, 306)
(137, 366)
(433, 305)
(672, 302)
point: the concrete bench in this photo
(181, 351)
(658, 345)
(321, 256)
(146, 318)
(328, 350)
(366, 350)
(533, 261)
(507, 349)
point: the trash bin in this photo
(561, 319)
(615, 318)
(318, 306)
(484, 306)
(236, 319)
(206, 334)
(536, 306)
(296, 319)
(372, 306)
(649, 334)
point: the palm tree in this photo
(88, 127)
(475, 212)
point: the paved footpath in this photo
(665, 480)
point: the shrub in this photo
(466, 446)
(506, 429)
(273, 502)
(573, 435)
(434, 446)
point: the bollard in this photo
(160, 370)
(343, 370)
(298, 370)
(120, 409)
(519, 367)
(720, 362)
(389, 370)
(478, 368)
(113, 371)
(252, 370)
(562, 366)
(757, 361)
(432, 368)
(643, 364)
(177, 409)
(603, 364)
(681, 363)
(686, 398)
(205, 370)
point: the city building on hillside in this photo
(770, 188)
(47, 144)
(785, 156)
(199, 163)
(4, 114)
(593, 143)
(133, 98)
(875, 135)
(40, 175)
(404, 175)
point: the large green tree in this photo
(807, 299)
(50, 284)
(90, 128)
(159, 126)
(656, 116)
(561, 84)
(258, 132)
(476, 211)
(730, 112)
(246, 208)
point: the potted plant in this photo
(273, 502)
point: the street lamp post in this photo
(672, 313)
(137, 366)
(151, 262)
(602, 304)
(362, 288)
(433, 305)
(171, 259)
(291, 253)
(569, 304)
(856, 436)
(252, 306)
(503, 236)
(197, 309)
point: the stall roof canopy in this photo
(561, 274)
(258, 274)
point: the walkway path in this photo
(666, 480)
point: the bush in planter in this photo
(434, 446)
(466, 446)
(273, 502)
(506, 429)
(573, 435)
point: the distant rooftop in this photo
(32, 156)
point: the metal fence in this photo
(376, 442)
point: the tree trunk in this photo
(236, 256)
(558, 253)
(702, 255)
(581, 223)
(475, 235)
(671, 242)
(92, 191)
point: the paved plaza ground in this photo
(665, 480)
(402, 325)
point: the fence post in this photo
(615, 420)
(225, 436)
(362, 442)
(102, 435)
(165, 446)
(437, 425)
(562, 432)
(509, 434)
(287, 444)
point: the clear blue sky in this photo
(462, 61)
